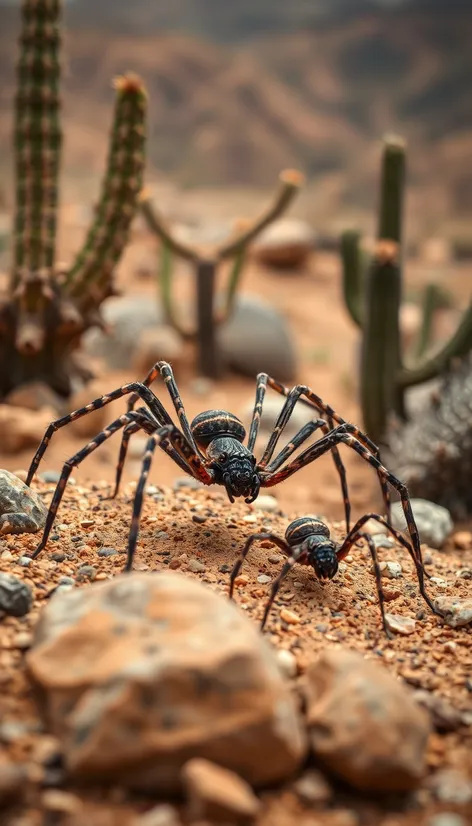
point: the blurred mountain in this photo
(239, 90)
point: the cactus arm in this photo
(459, 345)
(391, 189)
(233, 283)
(352, 275)
(429, 306)
(380, 352)
(89, 279)
(158, 226)
(290, 182)
(165, 286)
(208, 354)
(37, 136)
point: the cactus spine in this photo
(45, 312)
(374, 302)
(205, 264)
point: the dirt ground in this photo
(344, 612)
(435, 657)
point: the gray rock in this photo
(457, 612)
(21, 509)
(257, 339)
(433, 521)
(16, 597)
(452, 786)
(161, 669)
(50, 476)
(363, 724)
(127, 317)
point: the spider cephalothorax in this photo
(310, 539)
(220, 435)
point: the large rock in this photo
(126, 317)
(256, 338)
(21, 509)
(363, 724)
(286, 243)
(157, 344)
(434, 522)
(144, 672)
(21, 428)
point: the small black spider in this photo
(307, 542)
(211, 448)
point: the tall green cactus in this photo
(372, 296)
(205, 263)
(46, 311)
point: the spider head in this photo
(322, 557)
(234, 467)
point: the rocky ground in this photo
(397, 718)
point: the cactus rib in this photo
(352, 275)
(89, 279)
(37, 136)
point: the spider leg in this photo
(298, 440)
(350, 540)
(342, 434)
(261, 387)
(294, 395)
(135, 387)
(68, 467)
(417, 559)
(127, 433)
(138, 498)
(171, 440)
(277, 583)
(249, 542)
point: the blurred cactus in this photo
(373, 293)
(205, 264)
(47, 310)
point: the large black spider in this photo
(211, 448)
(307, 542)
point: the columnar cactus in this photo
(205, 263)
(46, 310)
(373, 298)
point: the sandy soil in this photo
(345, 611)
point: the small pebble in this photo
(399, 624)
(274, 558)
(50, 476)
(264, 579)
(217, 794)
(86, 572)
(290, 617)
(452, 786)
(16, 597)
(439, 582)
(312, 788)
(456, 612)
(287, 663)
(462, 540)
(391, 570)
(56, 800)
(66, 580)
(25, 561)
(87, 523)
(250, 518)
(382, 541)
(266, 503)
(446, 819)
(187, 482)
(23, 640)
(195, 566)
(161, 815)
(58, 557)
(199, 520)
(106, 552)
(225, 568)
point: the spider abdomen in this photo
(212, 424)
(306, 526)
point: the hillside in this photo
(301, 84)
